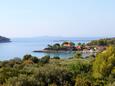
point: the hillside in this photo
(103, 42)
(47, 71)
(4, 39)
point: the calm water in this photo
(21, 46)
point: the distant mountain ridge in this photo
(4, 39)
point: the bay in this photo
(22, 46)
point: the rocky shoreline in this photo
(52, 51)
(62, 51)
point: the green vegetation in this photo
(94, 46)
(64, 46)
(46, 71)
(104, 63)
(103, 42)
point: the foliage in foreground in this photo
(31, 71)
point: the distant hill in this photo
(4, 39)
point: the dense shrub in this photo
(6, 73)
(45, 59)
(79, 68)
(53, 74)
(78, 55)
(82, 80)
(104, 63)
(35, 59)
(56, 57)
(31, 71)
(27, 57)
(21, 80)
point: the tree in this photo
(78, 55)
(45, 59)
(72, 44)
(56, 57)
(79, 44)
(50, 46)
(56, 46)
(27, 57)
(35, 59)
(104, 63)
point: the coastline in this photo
(62, 51)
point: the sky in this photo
(66, 18)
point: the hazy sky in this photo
(78, 18)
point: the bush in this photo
(27, 57)
(82, 80)
(35, 59)
(21, 80)
(56, 57)
(51, 74)
(104, 63)
(45, 59)
(79, 68)
(6, 73)
(78, 55)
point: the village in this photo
(71, 46)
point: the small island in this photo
(4, 39)
(93, 46)
(64, 47)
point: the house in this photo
(68, 44)
(78, 47)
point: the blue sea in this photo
(22, 46)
